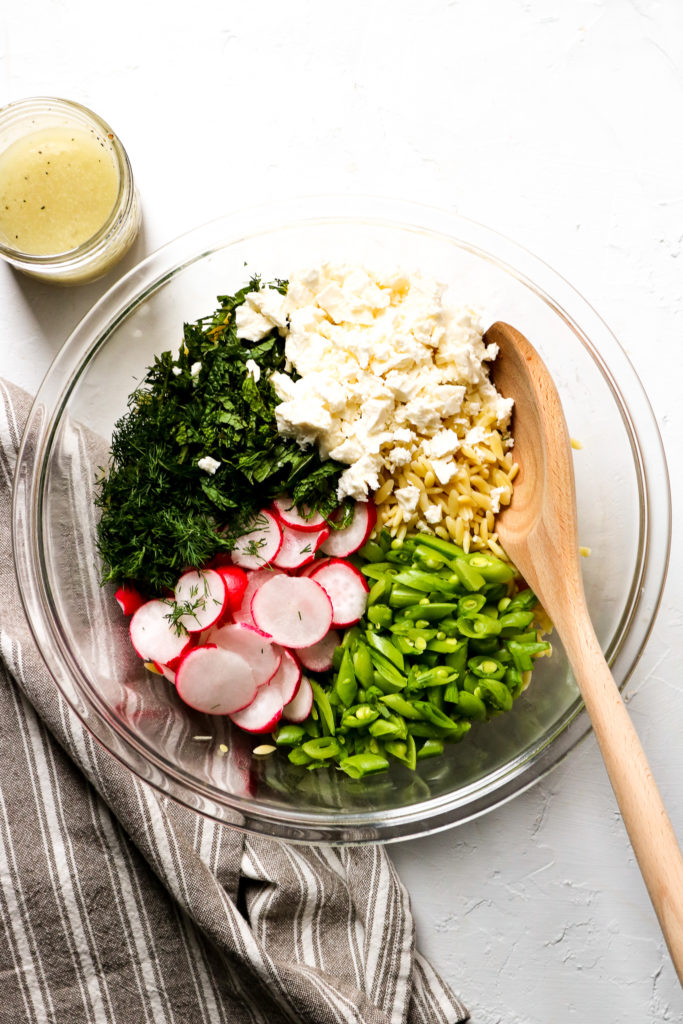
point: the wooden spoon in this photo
(539, 533)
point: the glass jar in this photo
(69, 209)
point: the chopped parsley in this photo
(160, 512)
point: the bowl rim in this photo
(121, 300)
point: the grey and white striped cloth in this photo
(119, 906)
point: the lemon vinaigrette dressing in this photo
(69, 209)
(58, 187)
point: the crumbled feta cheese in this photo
(382, 360)
(195, 369)
(444, 470)
(407, 499)
(208, 465)
(253, 369)
(260, 312)
(445, 442)
(434, 514)
(176, 371)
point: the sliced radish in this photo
(298, 547)
(260, 544)
(215, 681)
(294, 610)
(318, 657)
(264, 712)
(236, 581)
(255, 580)
(204, 595)
(286, 511)
(288, 676)
(168, 673)
(300, 708)
(311, 567)
(252, 645)
(129, 599)
(346, 541)
(153, 635)
(346, 588)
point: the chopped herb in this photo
(159, 512)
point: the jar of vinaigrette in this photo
(68, 205)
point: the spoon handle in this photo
(647, 822)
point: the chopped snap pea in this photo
(447, 640)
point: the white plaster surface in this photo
(558, 122)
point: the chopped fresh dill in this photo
(160, 512)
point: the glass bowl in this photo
(623, 506)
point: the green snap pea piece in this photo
(299, 756)
(458, 659)
(494, 692)
(503, 604)
(403, 750)
(516, 622)
(359, 716)
(380, 590)
(437, 610)
(377, 570)
(350, 637)
(426, 582)
(471, 604)
(404, 597)
(434, 715)
(447, 646)
(362, 664)
(430, 748)
(384, 646)
(451, 694)
(468, 576)
(406, 646)
(346, 686)
(492, 569)
(383, 728)
(323, 704)
(400, 705)
(443, 547)
(398, 557)
(472, 706)
(522, 654)
(380, 615)
(359, 765)
(485, 666)
(523, 601)
(337, 655)
(424, 553)
(372, 552)
(289, 735)
(478, 626)
(322, 748)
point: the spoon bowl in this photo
(539, 533)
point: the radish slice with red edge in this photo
(294, 610)
(153, 635)
(251, 644)
(256, 579)
(288, 676)
(236, 582)
(288, 514)
(318, 657)
(129, 599)
(260, 543)
(264, 712)
(346, 588)
(298, 547)
(300, 708)
(215, 681)
(312, 567)
(344, 542)
(203, 593)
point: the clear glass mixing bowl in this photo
(623, 504)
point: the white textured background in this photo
(560, 124)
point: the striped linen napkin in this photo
(121, 907)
